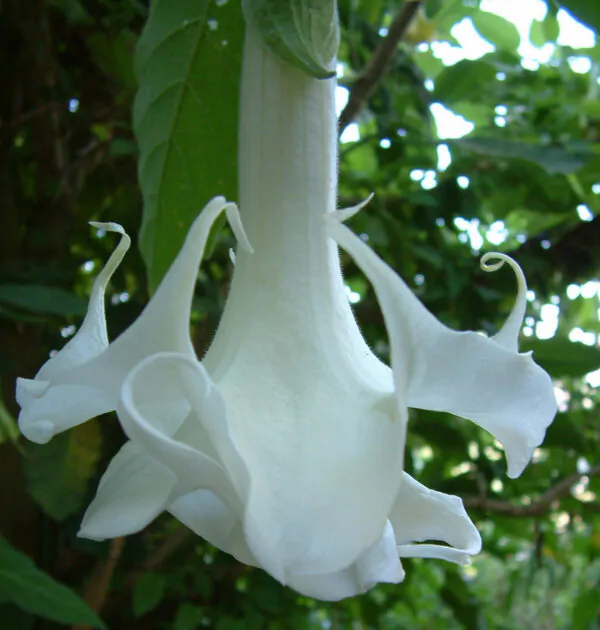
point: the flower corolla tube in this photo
(284, 445)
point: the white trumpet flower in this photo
(284, 446)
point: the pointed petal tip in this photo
(235, 221)
(88, 533)
(346, 213)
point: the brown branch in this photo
(379, 62)
(97, 588)
(538, 507)
(170, 545)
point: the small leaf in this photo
(32, 590)
(41, 299)
(148, 592)
(545, 31)
(303, 33)
(189, 617)
(500, 32)
(561, 357)
(58, 472)
(9, 431)
(552, 159)
(463, 80)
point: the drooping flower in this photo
(284, 446)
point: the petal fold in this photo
(133, 491)
(464, 373)
(195, 463)
(379, 563)
(209, 517)
(420, 514)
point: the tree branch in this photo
(379, 62)
(538, 507)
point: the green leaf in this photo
(58, 472)
(303, 33)
(585, 11)
(185, 118)
(561, 357)
(586, 610)
(463, 81)
(41, 299)
(545, 31)
(148, 592)
(564, 433)
(189, 617)
(553, 160)
(32, 590)
(500, 32)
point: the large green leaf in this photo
(58, 472)
(185, 118)
(561, 357)
(587, 11)
(37, 298)
(32, 590)
(554, 160)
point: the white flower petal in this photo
(380, 563)
(324, 470)
(133, 491)
(83, 379)
(463, 373)
(39, 401)
(207, 516)
(421, 514)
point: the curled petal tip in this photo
(509, 333)
(346, 213)
(235, 221)
(108, 226)
(30, 387)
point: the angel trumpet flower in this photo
(284, 445)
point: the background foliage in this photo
(525, 180)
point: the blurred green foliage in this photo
(528, 171)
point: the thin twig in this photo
(98, 585)
(379, 62)
(538, 507)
